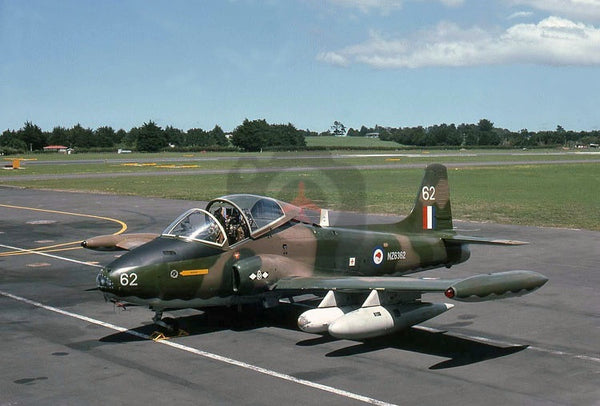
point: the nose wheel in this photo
(168, 323)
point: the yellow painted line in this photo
(177, 166)
(194, 272)
(53, 248)
(49, 248)
(41, 249)
(139, 164)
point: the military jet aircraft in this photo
(244, 249)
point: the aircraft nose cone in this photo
(103, 280)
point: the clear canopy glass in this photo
(198, 225)
(231, 219)
(258, 211)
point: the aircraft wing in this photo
(359, 284)
(473, 289)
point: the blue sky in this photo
(520, 63)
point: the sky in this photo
(531, 64)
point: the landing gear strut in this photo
(168, 323)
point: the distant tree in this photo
(120, 135)
(258, 134)
(469, 133)
(196, 137)
(338, 128)
(285, 135)
(174, 136)
(33, 136)
(11, 143)
(105, 137)
(6, 136)
(353, 133)
(81, 137)
(486, 135)
(251, 135)
(485, 125)
(308, 133)
(129, 138)
(217, 137)
(59, 136)
(150, 138)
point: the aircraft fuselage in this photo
(170, 272)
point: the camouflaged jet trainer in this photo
(245, 249)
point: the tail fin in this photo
(432, 209)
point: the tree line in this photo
(258, 135)
(253, 135)
(149, 138)
(481, 134)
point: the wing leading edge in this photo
(474, 288)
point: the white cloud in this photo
(586, 10)
(386, 6)
(552, 41)
(452, 3)
(368, 5)
(520, 14)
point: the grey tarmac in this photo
(537, 349)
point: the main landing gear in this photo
(169, 324)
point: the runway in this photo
(65, 345)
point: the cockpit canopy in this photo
(198, 225)
(232, 219)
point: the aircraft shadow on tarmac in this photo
(460, 351)
(213, 320)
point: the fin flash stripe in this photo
(429, 218)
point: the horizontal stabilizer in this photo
(465, 239)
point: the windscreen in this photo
(199, 225)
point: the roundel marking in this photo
(377, 256)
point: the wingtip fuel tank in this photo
(498, 285)
(117, 242)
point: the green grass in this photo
(546, 195)
(349, 142)
(164, 161)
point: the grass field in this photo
(563, 195)
(113, 163)
(350, 142)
